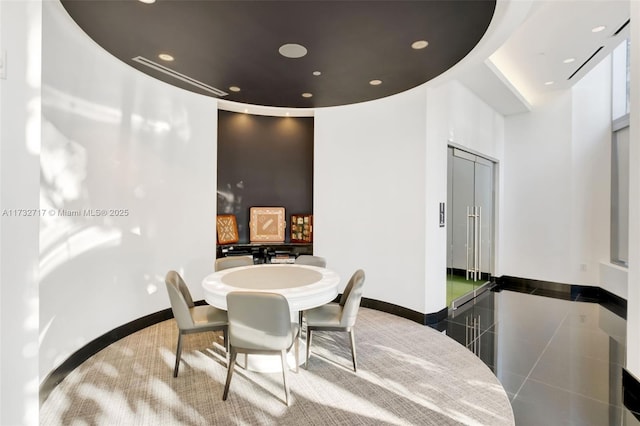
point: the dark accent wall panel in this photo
(264, 161)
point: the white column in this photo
(20, 29)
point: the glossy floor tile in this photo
(560, 361)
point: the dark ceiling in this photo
(235, 43)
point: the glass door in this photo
(470, 225)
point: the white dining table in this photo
(304, 287)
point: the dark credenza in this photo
(265, 252)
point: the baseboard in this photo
(631, 392)
(573, 292)
(419, 317)
(87, 351)
(96, 345)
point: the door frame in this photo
(456, 303)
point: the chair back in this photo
(349, 286)
(307, 259)
(259, 321)
(351, 303)
(232, 262)
(180, 298)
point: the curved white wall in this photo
(369, 194)
(114, 138)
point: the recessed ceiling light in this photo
(548, 83)
(598, 29)
(375, 82)
(317, 73)
(234, 88)
(420, 44)
(165, 57)
(307, 95)
(292, 50)
(147, 1)
(246, 110)
(569, 60)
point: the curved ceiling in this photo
(217, 45)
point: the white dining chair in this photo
(260, 323)
(232, 262)
(191, 318)
(340, 316)
(307, 259)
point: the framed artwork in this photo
(267, 224)
(301, 228)
(227, 229)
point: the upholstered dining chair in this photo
(339, 316)
(307, 259)
(232, 262)
(260, 323)
(191, 318)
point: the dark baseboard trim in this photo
(96, 345)
(419, 317)
(573, 292)
(631, 392)
(87, 351)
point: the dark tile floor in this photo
(560, 361)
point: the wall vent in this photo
(585, 62)
(175, 74)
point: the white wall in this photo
(591, 180)
(19, 183)
(557, 184)
(385, 163)
(536, 221)
(454, 115)
(369, 195)
(633, 301)
(113, 138)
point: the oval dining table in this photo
(304, 287)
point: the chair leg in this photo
(225, 336)
(283, 357)
(306, 360)
(178, 354)
(296, 347)
(352, 338)
(232, 361)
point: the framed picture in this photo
(227, 229)
(301, 228)
(267, 224)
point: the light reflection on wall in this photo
(114, 139)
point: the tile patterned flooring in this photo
(560, 361)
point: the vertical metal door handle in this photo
(467, 243)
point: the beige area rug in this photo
(408, 374)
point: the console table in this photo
(265, 252)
